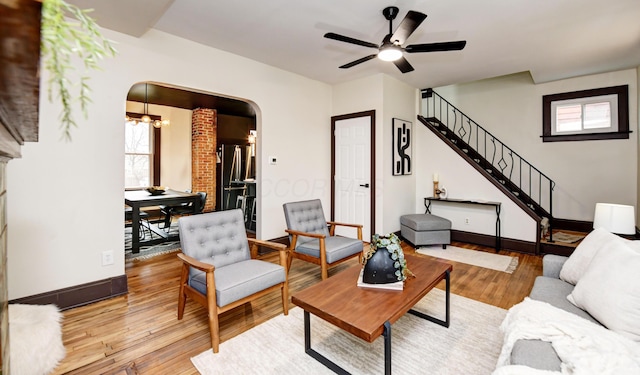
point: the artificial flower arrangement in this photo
(391, 244)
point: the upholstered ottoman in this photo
(425, 229)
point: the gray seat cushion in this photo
(555, 292)
(337, 248)
(238, 280)
(425, 222)
(535, 353)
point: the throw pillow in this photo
(579, 260)
(581, 257)
(609, 290)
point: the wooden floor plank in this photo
(140, 333)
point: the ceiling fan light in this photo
(389, 53)
(146, 119)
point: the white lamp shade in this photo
(616, 218)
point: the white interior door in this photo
(352, 179)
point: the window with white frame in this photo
(586, 115)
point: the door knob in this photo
(364, 185)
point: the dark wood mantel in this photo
(19, 77)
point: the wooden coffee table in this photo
(368, 313)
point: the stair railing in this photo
(522, 174)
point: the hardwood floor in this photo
(140, 334)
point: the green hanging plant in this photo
(62, 38)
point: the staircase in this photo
(522, 182)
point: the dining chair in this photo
(219, 269)
(144, 221)
(183, 209)
(313, 239)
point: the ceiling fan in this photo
(391, 47)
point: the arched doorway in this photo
(230, 122)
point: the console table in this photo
(497, 205)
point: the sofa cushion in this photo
(610, 289)
(579, 260)
(238, 280)
(535, 353)
(337, 248)
(581, 257)
(555, 292)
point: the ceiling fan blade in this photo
(436, 47)
(347, 39)
(408, 25)
(403, 65)
(359, 61)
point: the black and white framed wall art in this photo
(402, 138)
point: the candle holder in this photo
(437, 191)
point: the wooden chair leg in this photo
(214, 330)
(182, 297)
(292, 248)
(323, 260)
(285, 298)
(325, 270)
(289, 260)
(212, 310)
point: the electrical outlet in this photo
(107, 257)
(466, 221)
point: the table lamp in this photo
(616, 218)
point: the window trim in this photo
(622, 93)
(155, 172)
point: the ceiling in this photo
(550, 39)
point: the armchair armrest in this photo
(193, 262)
(306, 234)
(552, 264)
(345, 224)
(333, 224)
(282, 249)
(270, 244)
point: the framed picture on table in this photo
(402, 142)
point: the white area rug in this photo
(473, 257)
(35, 339)
(471, 344)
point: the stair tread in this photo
(564, 244)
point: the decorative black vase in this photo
(380, 268)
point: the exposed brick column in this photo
(204, 129)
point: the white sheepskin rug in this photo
(35, 339)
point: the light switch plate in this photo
(107, 257)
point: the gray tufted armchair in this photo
(313, 239)
(218, 269)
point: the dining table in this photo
(142, 198)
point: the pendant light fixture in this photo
(146, 118)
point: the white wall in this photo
(66, 199)
(585, 172)
(175, 144)
(462, 181)
(395, 195)
(400, 101)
